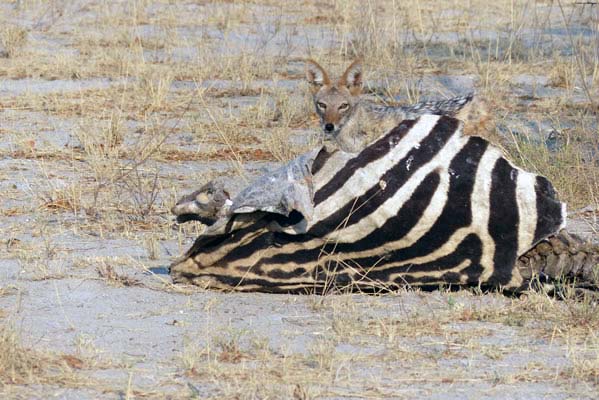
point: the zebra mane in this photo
(422, 205)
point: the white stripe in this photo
(480, 204)
(527, 210)
(564, 217)
(436, 273)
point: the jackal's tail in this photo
(450, 107)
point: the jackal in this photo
(353, 122)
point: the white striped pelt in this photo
(423, 205)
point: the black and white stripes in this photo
(422, 205)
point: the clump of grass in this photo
(8, 290)
(152, 247)
(585, 360)
(292, 110)
(13, 39)
(58, 200)
(21, 365)
(107, 272)
(229, 349)
(192, 357)
(144, 188)
(17, 364)
(321, 354)
(101, 143)
(154, 86)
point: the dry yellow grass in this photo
(20, 365)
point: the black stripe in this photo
(428, 281)
(371, 153)
(294, 217)
(230, 222)
(549, 209)
(503, 221)
(281, 274)
(320, 160)
(274, 239)
(331, 272)
(356, 209)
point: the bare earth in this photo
(109, 111)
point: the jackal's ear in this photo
(316, 75)
(352, 77)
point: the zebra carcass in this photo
(423, 205)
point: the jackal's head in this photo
(336, 101)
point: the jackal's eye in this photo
(322, 106)
(343, 106)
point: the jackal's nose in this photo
(329, 127)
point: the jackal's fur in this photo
(353, 122)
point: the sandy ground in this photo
(110, 111)
(142, 342)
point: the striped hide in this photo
(423, 205)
